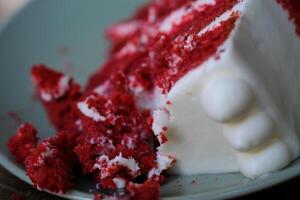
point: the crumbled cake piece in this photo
(58, 94)
(52, 165)
(23, 142)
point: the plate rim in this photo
(226, 193)
(273, 179)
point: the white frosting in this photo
(48, 152)
(163, 163)
(150, 100)
(102, 89)
(161, 120)
(225, 98)
(104, 164)
(90, 112)
(190, 43)
(63, 87)
(103, 141)
(128, 163)
(125, 29)
(119, 182)
(250, 132)
(129, 48)
(268, 159)
(127, 141)
(194, 139)
(79, 125)
(45, 96)
(260, 73)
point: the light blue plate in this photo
(64, 33)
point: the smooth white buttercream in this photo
(225, 98)
(267, 159)
(250, 132)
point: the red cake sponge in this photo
(52, 165)
(23, 142)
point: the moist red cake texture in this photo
(52, 165)
(23, 142)
(102, 129)
(121, 133)
(160, 58)
(59, 95)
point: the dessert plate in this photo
(69, 36)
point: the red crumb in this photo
(168, 102)
(23, 142)
(45, 79)
(62, 110)
(293, 7)
(147, 191)
(98, 197)
(163, 138)
(15, 196)
(52, 165)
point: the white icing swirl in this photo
(267, 159)
(251, 132)
(225, 98)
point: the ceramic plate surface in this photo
(68, 35)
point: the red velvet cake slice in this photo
(188, 84)
(202, 71)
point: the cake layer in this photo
(160, 55)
